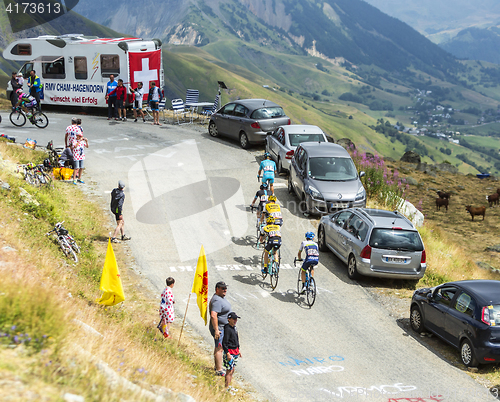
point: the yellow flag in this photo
(111, 284)
(200, 284)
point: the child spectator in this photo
(167, 313)
(231, 346)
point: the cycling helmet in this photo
(270, 220)
(272, 198)
(267, 155)
(19, 91)
(309, 235)
(264, 186)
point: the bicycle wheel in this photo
(264, 274)
(274, 275)
(47, 179)
(299, 282)
(67, 250)
(17, 118)
(30, 177)
(311, 292)
(40, 120)
(73, 244)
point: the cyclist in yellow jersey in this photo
(273, 240)
(272, 209)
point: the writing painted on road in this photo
(438, 398)
(373, 391)
(229, 267)
(292, 361)
(317, 370)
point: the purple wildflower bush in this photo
(381, 183)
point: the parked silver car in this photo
(325, 178)
(374, 242)
(247, 120)
(283, 142)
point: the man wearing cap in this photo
(219, 309)
(14, 82)
(231, 346)
(117, 198)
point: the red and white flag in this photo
(145, 67)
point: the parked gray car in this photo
(247, 120)
(283, 142)
(374, 242)
(325, 178)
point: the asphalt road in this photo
(185, 189)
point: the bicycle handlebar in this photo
(296, 259)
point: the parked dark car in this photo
(247, 120)
(466, 314)
(374, 242)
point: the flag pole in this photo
(184, 320)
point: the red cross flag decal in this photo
(145, 67)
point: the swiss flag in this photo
(144, 67)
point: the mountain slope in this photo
(338, 30)
(476, 44)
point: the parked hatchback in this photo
(374, 242)
(466, 314)
(247, 120)
(283, 142)
(325, 178)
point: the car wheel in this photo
(244, 141)
(467, 354)
(212, 129)
(352, 270)
(280, 167)
(290, 186)
(321, 239)
(416, 320)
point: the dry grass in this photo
(74, 359)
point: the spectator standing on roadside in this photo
(231, 347)
(35, 86)
(167, 312)
(20, 79)
(121, 96)
(117, 198)
(78, 149)
(71, 132)
(154, 99)
(219, 308)
(14, 82)
(111, 99)
(138, 97)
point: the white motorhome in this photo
(74, 69)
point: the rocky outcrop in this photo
(411, 157)
(346, 143)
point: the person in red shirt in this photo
(121, 95)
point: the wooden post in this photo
(184, 320)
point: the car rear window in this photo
(396, 239)
(268, 113)
(296, 139)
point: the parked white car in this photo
(283, 142)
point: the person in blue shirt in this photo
(311, 259)
(111, 97)
(35, 86)
(268, 167)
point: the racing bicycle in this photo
(258, 226)
(273, 267)
(310, 285)
(68, 245)
(18, 117)
(35, 174)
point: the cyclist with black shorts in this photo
(268, 167)
(311, 259)
(273, 241)
(261, 195)
(26, 101)
(273, 209)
